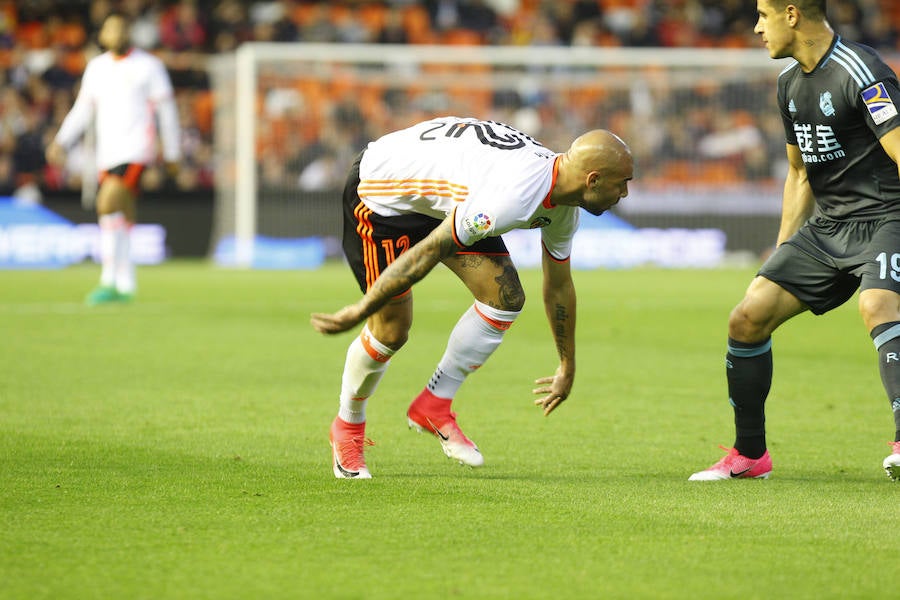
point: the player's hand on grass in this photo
(555, 390)
(344, 319)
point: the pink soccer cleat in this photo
(734, 465)
(430, 414)
(347, 443)
(891, 464)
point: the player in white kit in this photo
(444, 190)
(125, 91)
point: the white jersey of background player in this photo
(121, 90)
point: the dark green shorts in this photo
(826, 261)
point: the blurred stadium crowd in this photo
(45, 44)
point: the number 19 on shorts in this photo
(883, 265)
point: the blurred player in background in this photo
(443, 191)
(840, 225)
(121, 90)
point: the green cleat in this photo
(124, 298)
(102, 294)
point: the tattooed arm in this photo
(410, 267)
(559, 304)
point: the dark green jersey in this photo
(836, 115)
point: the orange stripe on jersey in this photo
(394, 182)
(453, 229)
(421, 187)
(495, 323)
(546, 203)
(369, 249)
(366, 340)
(412, 192)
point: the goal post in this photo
(245, 221)
(290, 118)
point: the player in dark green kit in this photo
(840, 223)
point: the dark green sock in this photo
(749, 373)
(887, 342)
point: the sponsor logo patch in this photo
(479, 225)
(881, 107)
(826, 105)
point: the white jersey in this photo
(496, 178)
(122, 93)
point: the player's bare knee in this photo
(879, 307)
(737, 323)
(392, 337)
(510, 293)
(512, 300)
(743, 326)
(392, 331)
(395, 343)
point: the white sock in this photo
(110, 224)
(367, 360)
(476, 335)
(126, 282)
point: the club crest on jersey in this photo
(825, 104)
(881, 107)
(539, 222)
(479, 225)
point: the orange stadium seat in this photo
(717, 171)
(74, 62)
(733, 40)
(417, 25)
(610, 4)
(585, 97)
(373, 16)
(677, 171)
(891, 8)
(370, 100)
(203, 109)
(32, 35)
(301, 14)
(69, 35)
(339, 12)
(461, 37)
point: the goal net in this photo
(702, 124)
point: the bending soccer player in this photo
(121, 89)
(840, 226)
(443, 191)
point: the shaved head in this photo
(594, 172)
(598, 150)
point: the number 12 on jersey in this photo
(394, 248)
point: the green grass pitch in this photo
(178, 448)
